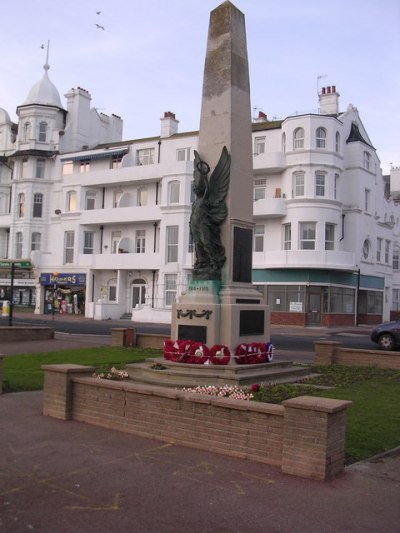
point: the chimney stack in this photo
(169, 124)
(329, 101)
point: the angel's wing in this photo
(219, 185)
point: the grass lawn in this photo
(373, 421)
(23, 372)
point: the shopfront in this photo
(64, 293)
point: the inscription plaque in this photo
(192, 333)
(251, 322)
(242, 254)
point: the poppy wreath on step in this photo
(169, 352)
(198, 353)
(220, 355)
(241, 354)
(255, 353)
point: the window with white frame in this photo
(84, 166)
(21, 205)
(40, 166)
(287, 236)
(183, 154)
(69, 238)
(259, 189)
(18, 244)
(319, 184)
(320, 138)
(71, 201)
(395, 300)
(335, 186)
(298, 139)
(112, 290)
(37, 205)
(115, 238)
(395, 260)
(116, 161)
(35, 241)
(259, 145)
(90, 200)
(379, 243)
(329, 236)
(42, 132)
(283, 142)
(190, 243)
(259, 238)
(26, 132)
(117, 197)
(367, 194)
(88, 240)
(299, 184)
(367, 160)
(387, 251)
(172, 233)
(24, 168)
(170, 289)
(142, 196)
(337, 142)
(140, 245)
(307, 235)
(173, 192)
(67, 168)
(145, 156)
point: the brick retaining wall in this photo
(25, 333)
(330, 352)
(305, 435)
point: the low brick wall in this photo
(24, 333)
(330, 352)
(129, 337)
(305, 435)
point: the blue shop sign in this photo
(63, 279)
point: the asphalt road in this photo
(286, 339)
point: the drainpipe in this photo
(102, 200)
(159, 151)
(155, 237)
(101, 239)
(153, 289)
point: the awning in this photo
(89, 156)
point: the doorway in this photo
(138, 292)
(314, 298)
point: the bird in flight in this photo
(99, 27)
(98, 12)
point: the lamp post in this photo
(55, 274)
(357, 297)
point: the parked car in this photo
(387, 335)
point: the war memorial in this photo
(220, 328)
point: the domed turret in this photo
(4, 117)
(44, 92)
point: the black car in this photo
(387, 335)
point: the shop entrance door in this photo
(314, 306)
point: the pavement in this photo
(58, 476)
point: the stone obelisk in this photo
(227, 311)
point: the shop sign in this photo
(63, 279)
(17, 264)
(6, 282)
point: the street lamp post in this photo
(55, 274)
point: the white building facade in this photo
(104, 222)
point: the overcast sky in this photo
(150, 58)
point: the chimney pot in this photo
(328, 89)
(323, 90)
(333, 88)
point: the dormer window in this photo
(42, 132)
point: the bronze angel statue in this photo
(209, 210)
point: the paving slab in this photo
(73, 477)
